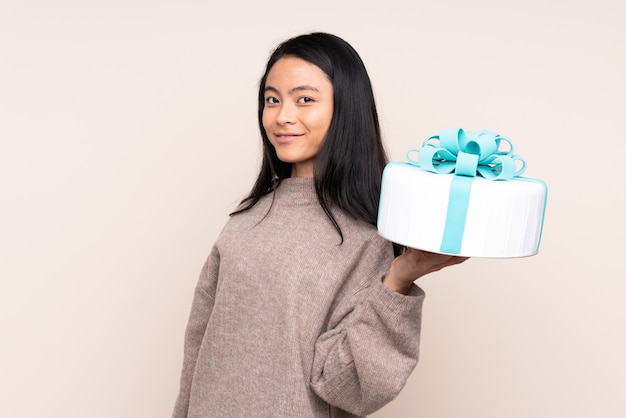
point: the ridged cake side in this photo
(503, 218)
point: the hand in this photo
(413, 264)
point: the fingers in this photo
(436, 258)
(451, 261)
(432, 262)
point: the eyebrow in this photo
(293, 90)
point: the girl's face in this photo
(297, 112)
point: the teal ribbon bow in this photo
(468, 154)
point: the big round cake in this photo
(462, 215)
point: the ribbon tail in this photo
(458, 202)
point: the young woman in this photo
(301, 309)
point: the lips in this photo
(286, 137)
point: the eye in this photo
(271, 100)
(305, 99)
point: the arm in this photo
(364, 361)
(199, 317)
(367, 355)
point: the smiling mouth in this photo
(285, 138)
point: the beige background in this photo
(128, 132)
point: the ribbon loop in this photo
(468, 154)
(466, 164)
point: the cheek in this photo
(326, 116)
(266, 119)
(325, 121)
(320, 118)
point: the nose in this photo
(286, 114)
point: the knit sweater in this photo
(287, 321)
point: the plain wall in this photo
(128, 132)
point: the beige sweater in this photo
(288, 322)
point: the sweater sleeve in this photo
(201, 308)
(371, 347)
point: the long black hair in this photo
(349, 164)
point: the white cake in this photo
(496, 219)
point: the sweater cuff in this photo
(397, 306)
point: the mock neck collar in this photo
(297, 190)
